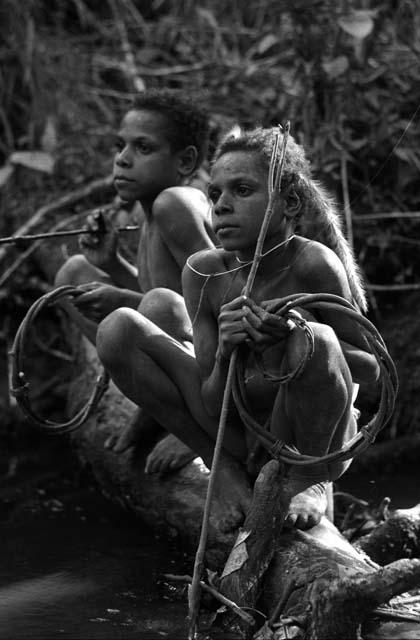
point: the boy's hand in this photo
(97, 300)
(99, 247)
(271, 328)
(242, 320)
(232, 328)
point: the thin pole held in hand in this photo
(58, 234)
(274, 182)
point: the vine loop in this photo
(20, 385)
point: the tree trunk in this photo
(308, 584)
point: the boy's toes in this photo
(302, 520)
(307, 508)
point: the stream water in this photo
(74, 566)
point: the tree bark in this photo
(397, 537)
(311, 584)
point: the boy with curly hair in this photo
(160, 145)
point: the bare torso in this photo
(287, 273)
(160, 257)
(156, 265)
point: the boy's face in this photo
(144, 163)
(238, 191)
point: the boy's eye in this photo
(243, 190)
(213, 195)
(118, 145)
(143, 147)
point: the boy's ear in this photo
(187, 160)
(293, 206)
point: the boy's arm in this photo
(329, 276)
(122, 273)
(100, 246)
(183, 217)
(321, 271)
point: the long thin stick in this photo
(70, 199)
(392, 215)
(216, 594)
(276, 168)
(57, 234)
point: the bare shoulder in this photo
(207, 262)
(310, 254)
(185, 198)
(198, 286)
(318, 264)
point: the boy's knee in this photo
(326, 364)
(325, 337)
(76, 270)
(299, 346)
(167, 310)
(159, 300)
(115, 336)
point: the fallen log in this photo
(316, 584)
(397, 537)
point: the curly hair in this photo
(320, 218)
(187, 123)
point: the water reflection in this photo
(83, 570)
(73, 566)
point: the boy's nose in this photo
(123, 158)
(222, 205)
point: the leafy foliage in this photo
(345, 74)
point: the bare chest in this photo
(265, 287)
(156, 266)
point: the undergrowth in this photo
(345, 73)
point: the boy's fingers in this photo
(290, 520)
(256, 335)
(238, 303)
(90, 286)
(251, 317)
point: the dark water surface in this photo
(74, 566)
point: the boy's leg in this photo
(314, 413)
(160, 374)
(167, 310)
(76, 271)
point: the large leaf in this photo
(37, 160)
(336, 67)
(358, 24)
(5, 174)
(266, 43)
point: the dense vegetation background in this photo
(346, 74)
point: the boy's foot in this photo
(140, 428)
(307, 507)
(167, 455)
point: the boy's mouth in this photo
(224, 228)
(122, 179)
